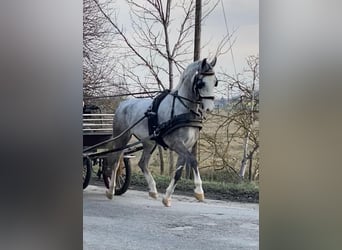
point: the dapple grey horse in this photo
(195, 93)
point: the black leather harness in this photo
(190, 119)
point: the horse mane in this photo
(188, 73)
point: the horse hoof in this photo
(166, 202)
(153, 195)
(109, 195)
(199, 197)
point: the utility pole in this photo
(198, 17)
(197, 54)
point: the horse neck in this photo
(185, 90)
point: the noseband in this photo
(199, 84)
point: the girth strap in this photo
(178, 121)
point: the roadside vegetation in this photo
(242, 192)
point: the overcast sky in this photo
(242, 17)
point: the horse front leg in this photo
(186, 156)
(171, 188)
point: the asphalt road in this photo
(135, 221)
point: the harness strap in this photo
(115, 138)
(158, 131)
(173, 103)
(210, 97)
(180, 99)
(178, 121)
(102, 153)
(152, 112)
(183, 120)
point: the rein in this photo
(180, 99)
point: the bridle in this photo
(199, 84)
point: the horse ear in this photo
(203, 64)
(213, 62)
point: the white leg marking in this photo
(170, 189)
(111, 191)
(150, 181)
(198, 183)
(167, 198)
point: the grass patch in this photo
(243, 192)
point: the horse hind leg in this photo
(143, 164)
(114, 161)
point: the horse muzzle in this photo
(208, 104)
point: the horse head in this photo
(204, 83)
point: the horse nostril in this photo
(208, 110)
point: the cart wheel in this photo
(123, 176)
(86, 174)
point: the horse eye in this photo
(200, 84)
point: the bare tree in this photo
(248, 107)
(160, 38)
(232, 135)
(98, 64)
